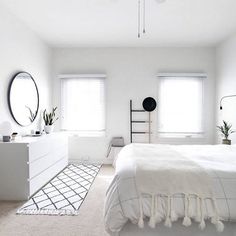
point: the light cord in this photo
(139, 10)
(144, 16)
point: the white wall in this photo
(22, 50)
(226, 83)
(131, 74)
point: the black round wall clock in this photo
(149, 104)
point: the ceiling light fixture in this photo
(142, 11)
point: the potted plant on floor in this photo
(226, 130)
(49, 120)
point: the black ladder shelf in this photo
(139, 122)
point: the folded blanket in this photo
(163, 172)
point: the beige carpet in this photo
(88, 223)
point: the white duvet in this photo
(123, 202)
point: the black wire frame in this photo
(9, 92)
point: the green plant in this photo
(50, 118)
(225, 129)
(32, 115)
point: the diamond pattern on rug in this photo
(64, 194)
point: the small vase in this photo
(226, 141)
(48, 129)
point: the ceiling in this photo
(113, 23)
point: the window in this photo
(83, 104)
(181, 104)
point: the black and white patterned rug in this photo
(64, 194)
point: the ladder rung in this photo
(138, 110)
(140, 121)
(140, 132)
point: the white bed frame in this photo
(178, 229)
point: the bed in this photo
(129, 211)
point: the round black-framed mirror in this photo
(149, 104)
(23, 98)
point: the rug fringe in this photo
(47, 212)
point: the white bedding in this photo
(122, 201)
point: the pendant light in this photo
(142, 12)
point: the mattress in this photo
(122, 199)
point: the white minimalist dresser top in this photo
(32, 139)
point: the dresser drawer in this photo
(39, 149)
(44, 162)
(46, 145)
(43, 178)
(39, 165)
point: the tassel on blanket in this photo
(216, 219)
(219, 226)
(152, 221)
(168, 222)
(158, 217)
(140, 221)
(187, 220)
(202, 224)
(173, 215)
(198, 209)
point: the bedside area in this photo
(28, 164)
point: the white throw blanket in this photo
(163, 172)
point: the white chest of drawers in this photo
(28, 164)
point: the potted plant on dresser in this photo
(49, 120)
(226, 130)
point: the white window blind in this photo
(83, 104)
(181, 105)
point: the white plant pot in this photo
(48, 129)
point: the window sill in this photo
(181, 136)
(86, 134)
